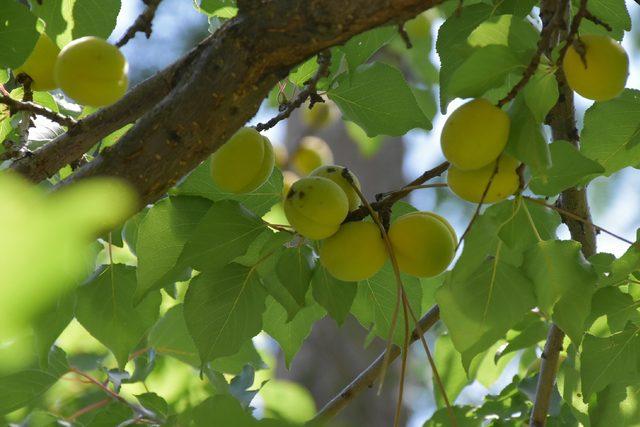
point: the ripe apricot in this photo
(312, 152)
(423, 243)
(475, 134)
(603, 73)
(92, 71)
(288, 179)
(334, 173)
(315, 207)
(356, 252)
(470, 185)
(40, 63)
(243, 163)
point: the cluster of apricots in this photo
(317, 205)
(89, 70)
(474, 137)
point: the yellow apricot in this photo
(243, 163)
(282, 155)
(312, 152)
(318, 117)
(316, 207)
(334, 173)
(605, 73)
(470, 185)
(356, 252)
(442, 219)
(92, 72)
(288, 179)
(475, 134)
(39, 65)
(422, 244)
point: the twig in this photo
(367, 378)
(31, 107)
(143, 22)
(582, 13)
(387, 200)
(405, 36)
(546, 380)
(309, 92)
(92, 407)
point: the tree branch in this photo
(368, 377)
(31, 107)
(227, 82)
(143, 22)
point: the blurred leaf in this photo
(568, 168)
(161, 237)
(22, 388)
(334, 295)
(111, 415)
(452, 373)
(288, 400)
(609, 360)
(222, 410)
(368, 146)
(463, 414)
(361, 47)
(18, 34)
(106, 309)
(49, 324)
(224, 233)
(541, 93)
(564, 283)
(375, 303)
(392, 109)
(611, 132)
(239, 386)
(294, 269)
(223, 308)
(220, 8)
(259, 201)
(526, 141)
(154, 403)
(290, 335)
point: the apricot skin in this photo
(334, 173)
(356, 252)
(422, 243)
(40, 63)
(243, 163)
(606, 71)
(316, 207)
(312, 152)
(92, 72)
(475, 134)
(470, 185)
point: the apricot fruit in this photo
(452, 230)
(288, 178)
(334, 173)
(422, 243)
(470, 185)
(312, 152)
(92, 72)
(356, 252)
(243, 163)
(318, 117)
(603, 73)
(475, 134)
(315, 207)
(40, 63)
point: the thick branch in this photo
(368, 377)
(228, 81)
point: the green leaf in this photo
(526, 142)
(485, 69)
(524, 335)
(368, 146)
(48, 326)
(613, 12)
(267, 271)
(618, 306)
(222, 410)
(304, 72)
(92, 18)
(480, 309)
(223, 308)
(375, 303)
(290, 335)
(392, 109)
(154, 403)
(224, 233)
(611, 132)
(609, 360)
(541, 93)
(18, 34)
(516, 7)
(449, 363)
(161, 237)
(259, 201)
(294, 270)
(564, 283)
(361, 47)
(334, 295)
(220, 8)
(463, 414)
(22, 388)
(568, 168)
(519, 232)
(106, 309)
